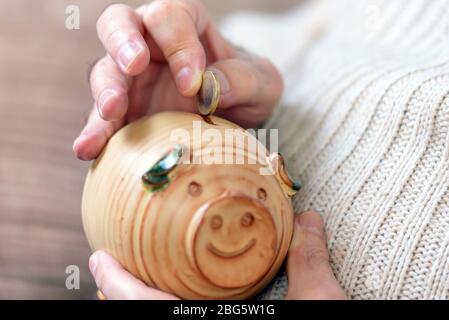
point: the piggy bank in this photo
(191, 205)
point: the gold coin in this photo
(209, 94)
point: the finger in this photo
(115, 283)
(308, 269)
(109, 89)
(242, 81)
(176, 27)
(94, 136)
(120, 30)
(249, 89)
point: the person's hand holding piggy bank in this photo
(155, 59)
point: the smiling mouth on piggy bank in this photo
(235, 253)
(235, 244)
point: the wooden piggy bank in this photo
(193, 206)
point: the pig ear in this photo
(276, 162)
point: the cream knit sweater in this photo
(364, 124)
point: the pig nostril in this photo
(247, 219)
(216, 222)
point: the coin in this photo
(209, 94)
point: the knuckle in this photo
(111, 21)
(267, 79)
(105, 16)
(272, 73)
(312, 256)
(182, 50)
(271, 70)
(159, 10)
(316, 257)
(265, 63)
(192, 8)
(116, 37)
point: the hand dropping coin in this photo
(209, 94)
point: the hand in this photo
(309, 273)
(155, 59)
(310, 276)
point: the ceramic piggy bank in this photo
(190, 205)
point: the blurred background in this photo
(44, 101)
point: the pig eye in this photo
(247, 219)
(261, 194)
(216, 222)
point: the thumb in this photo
(115, 283)
(249, 89)
(309, 273)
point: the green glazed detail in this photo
(157, 175)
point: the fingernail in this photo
(188, 81)
(104, 97)
(223, 80)
(93, 262)
(128, 52)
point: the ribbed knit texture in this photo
(364, 124)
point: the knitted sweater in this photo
(364, 125)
